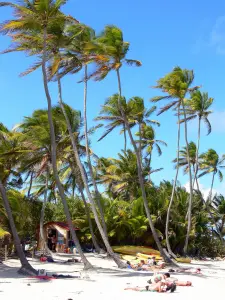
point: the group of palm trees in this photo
(48, 145)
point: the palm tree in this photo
(148, 142)
(219, 204)
(121, 175)
(177, 85)
(10, 151)
(211, 163)
(111, 44)
(140, 115)
(41, 16)
(183, 161)
(197, 107)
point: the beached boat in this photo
(134, 250)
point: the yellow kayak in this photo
(146, 256)
(183, 260)
(131, 258)
(133, 250)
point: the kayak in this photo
(133, 250)
(131, 258)
(183, 260)
(146, 256)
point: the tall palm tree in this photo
(111, 44)
(74, 39)
(9, 153)
(198, 107)
(219, 204)
(41, 16)
(177, 85)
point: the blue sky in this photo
(162, 34)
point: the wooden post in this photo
(6, 252)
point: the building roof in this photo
(60, 224)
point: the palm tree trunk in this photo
(190, 179)
(140, 176)
(97, 194)
(174, 187)
(26, 268)
(87, 264)
(45, 244)
(95, 243)
(125, 138)
(79, 164)
(140, 151)
(197, 152)
(30, 185)
(94, 240)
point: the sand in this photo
(105, 282)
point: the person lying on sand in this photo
(168, 281)
(187, 270)
(159, 287)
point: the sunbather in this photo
(160, 287)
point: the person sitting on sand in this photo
(131, 266)
(159, 278)
(152, 263)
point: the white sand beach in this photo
(105, 282)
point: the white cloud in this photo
(217, 35)
(217, 120)
(205, 190)
(211, 37)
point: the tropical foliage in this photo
(48, 171)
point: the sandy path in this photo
(106, 282)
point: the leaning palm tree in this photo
(74, 39)
(41, 16)
(10, 151)
(198, 108)
(111, 44)
(177, 85)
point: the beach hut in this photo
(58, 237)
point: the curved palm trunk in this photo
(174, 188)
(197, 152)
(26, 268)
(45, 244)
(94, 240)
(190, 180)
(140, 176)
(87, 264)
(97, 194)
(79, 164)
(95, 243)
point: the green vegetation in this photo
(48, 171)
